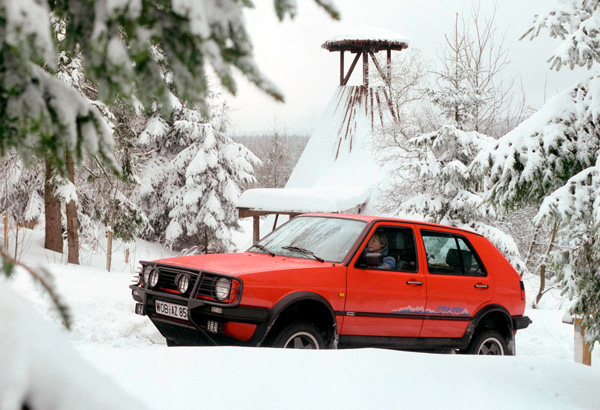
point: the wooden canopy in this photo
(358, 45)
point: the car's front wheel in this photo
(301, 335)
(489, 342)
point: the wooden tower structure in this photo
(365, 46)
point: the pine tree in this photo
(551, 161)
(194, 180)
(42, 117)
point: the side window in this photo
(449, 254)
(396, 245)
(472, 263)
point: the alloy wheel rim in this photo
(301, 340)
(491, 346)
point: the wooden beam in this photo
(256, 228)
(342, 67)
(389, 65)
(366, 68)
(351, 68)
(249, 213)
(386, 78)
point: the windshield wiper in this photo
(264, 248)
(306, 251)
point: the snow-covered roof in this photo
(367, 37)
(304, 200)
(337, 171)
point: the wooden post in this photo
(6, 231)
(127, 255)
(389, 67)
(256, 227)
(342, 67)
(582, 351)
(366, 69)
(351, 69)
(109, 248)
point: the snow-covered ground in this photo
(107, 334)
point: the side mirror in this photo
(373, 259)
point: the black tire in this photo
(300, 335)
(489, 342)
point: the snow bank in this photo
(245, 378)
(42, 369)
(38, 362)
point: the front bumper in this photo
(205, 321)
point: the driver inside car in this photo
(379, 244)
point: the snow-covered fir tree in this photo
(431, 174)
(435, 184)
(551, 160)
(193, 179)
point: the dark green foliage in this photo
(126, 219)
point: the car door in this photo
(457, 283)
(382, 301)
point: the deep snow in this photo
(126, 347)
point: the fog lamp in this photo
(153, 280)
(183, 283)
(213, 327)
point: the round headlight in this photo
(222, 289)
(183, 283)
(153, 280)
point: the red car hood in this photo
(242, 263)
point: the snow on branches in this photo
(551, 161)
(115, 40)
(192, 183)
(577, 24)
(436, 185)
(542, 153)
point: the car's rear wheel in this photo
(489, 342)
(301, 335)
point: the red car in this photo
(337, 281)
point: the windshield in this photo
(328, 238)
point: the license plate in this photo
(171, 310)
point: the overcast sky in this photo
(290, 53)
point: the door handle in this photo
(481, 286)
(414, 282)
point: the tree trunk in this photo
(53, 238)
(72, 222)
(532, 245)
(543, 267)
(205, 241)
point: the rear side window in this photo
(449, 254)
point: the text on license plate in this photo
(171, 310)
